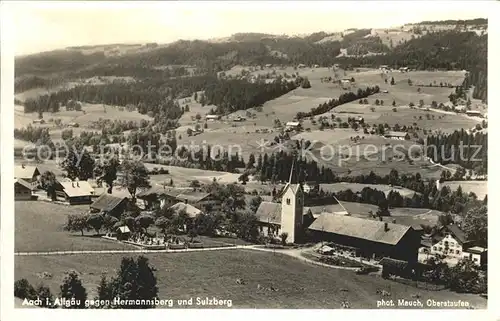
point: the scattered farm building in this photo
(397, 135)
(27, 173)
(191, 211)
(292, 125)
(404, 69)
(74, 192)
(123, 232)
(38, 121)
(109, 204)
(475, 113)
(212, 117)
(301, 66)
(452, 242)
(161, 196)
(371, 238)
(23, 190)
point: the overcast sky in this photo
(47, 26)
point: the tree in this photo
(306, 83)
(198, 116)
(463, 277)
(421, 103)
(76, 223)
(96, 221)
(189, 132)
(475, 225)
(135, 175)
(72, 289)
(192, 234)
(255, 203)
(393, 103)
(243, 178)
(135, 280)
(107, 171)
(45, 296)
(392, 81)
(104, 290)
(161, 223)
(144, 221)
(49, 182)
(283, 237)
(24, 290)
(78, 167)
(110, 222)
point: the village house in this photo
(451, 242)
(397, 135)
(404, 69)
(474, 113)
(301, 66)
(23, 190)
(38, 121)
(212, 117)
(74, 192)
(292, 125)
(27, 173)
(161, 196)
(370, 238)
(109, 204)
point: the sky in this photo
(42, 26)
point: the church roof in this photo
(270, 212)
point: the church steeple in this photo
(291, 173)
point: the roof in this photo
(458, 234)
(192, 196)
(123, 229)
(107, 202)
(292, 123)
(21, 171)
(160, 190)
(24, 183)
(191, 211)
(396, 134)
(476, 250)
(270, 212)
(75, 189)
(360, 228)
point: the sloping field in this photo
(480, 188)
(39, 227)
(183, 176)
(214, 274)
(357, 187)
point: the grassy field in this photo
(357, 187)
(480, 188)
(39, 227)
(209, 274)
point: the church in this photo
(369, 238)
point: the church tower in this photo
(292, 208)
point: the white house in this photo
(212, 117)
(453, 245)
(476, 254)
(292, 125)
(475, 113)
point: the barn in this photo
(371, 238)
(74, 192)
(109, 204)
(23, 190)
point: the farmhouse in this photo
(108, 204)
(27, 173)
(397, 135)
(22, 190)
(38, 121)
(161, 196)
(475, 113)
(74, 192)
(370, 238)
(452, 242)
(292, 125)
(301, 66)
(212, 117)
(404, 69)
(191, 211)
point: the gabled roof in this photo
(26, 172)
(123, 229)
(270, 212)
(190, 210)
(476, 250)
(192, 196)
(76, 189)
(107, 202)
(457, 233)
(24, 183)
(360, 228)
(396, 134)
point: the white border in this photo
(7, 214)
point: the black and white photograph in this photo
(238, 155)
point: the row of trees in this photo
(233, 95)
(343, 99)
(469, 150)
(134, 280)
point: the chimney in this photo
(386, 226)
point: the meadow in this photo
(214, 274)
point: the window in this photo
(440, 248)
(475, 259)
(287, 201)
(458, 252)
(434, 248)
(452, 244)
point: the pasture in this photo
(214, 274)
(480, 188)
(183, 176)
(357, 187)
(39, 227)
